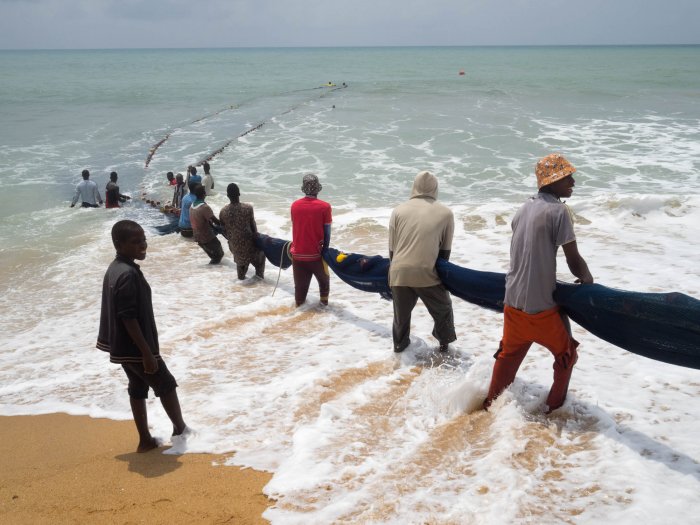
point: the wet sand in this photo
(58, 468)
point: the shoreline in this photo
(58, 468)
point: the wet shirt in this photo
(193, 179)
(200, 215)
(208, 183)
(238, 222)
(309, 215)
(540, 226)
(87, 191)
(187, 201)
(112, 195)
(125, 295)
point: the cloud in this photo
(231, 23)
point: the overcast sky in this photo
(96, 24)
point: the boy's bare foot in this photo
(148, 445)
(179, 441)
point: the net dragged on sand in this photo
(660, 326)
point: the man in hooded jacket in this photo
(420, 231)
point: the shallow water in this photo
(353, 433)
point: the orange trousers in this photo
(520, 330)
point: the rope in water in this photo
(154, 148)
(260, 125)
(152, 151)
(284, 249)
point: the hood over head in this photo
(425, 185)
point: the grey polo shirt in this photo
(540, 226)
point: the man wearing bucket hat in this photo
(540, 226)
(311, 234)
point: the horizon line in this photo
(343, 47)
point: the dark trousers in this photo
(439, 304)
(303, 270)
(258, 263)
(214, 250)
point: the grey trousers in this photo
(439, 304)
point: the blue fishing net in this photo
(276, 250)
(660, 326)
(366, 273)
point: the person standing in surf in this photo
(530, 314)
(420, 231)
(112, 195)
(178, 192)
(311, 235)
(128, 332)
(238, 222)
(203, 220)
(192, 177)
(87, 192)
(207, 179)
(184, 225)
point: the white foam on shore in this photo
(352, 432)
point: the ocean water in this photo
(351, 432)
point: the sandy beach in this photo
(58, 468)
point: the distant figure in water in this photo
(112, 195)
(530, 314)
(207, 179)
(192, 177)
(203, 222)
(311, 235)
(420, 231)
(238, 222)
(179, 192)
(171, 178)
(87, 192)
(184, 225)
(128, 332)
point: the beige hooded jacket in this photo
(418, 229)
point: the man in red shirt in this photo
(311, 234)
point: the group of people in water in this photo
(236, 220)
(86, 191)
(420, 231)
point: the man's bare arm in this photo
(577, 264)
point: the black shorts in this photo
(162, 382)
